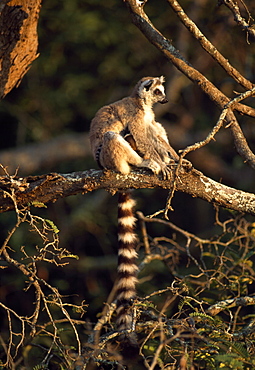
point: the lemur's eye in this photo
(157, 92)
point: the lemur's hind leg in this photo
(117, 154)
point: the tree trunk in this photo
(18, 40)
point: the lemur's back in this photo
(113, 117)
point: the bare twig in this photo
(29, 324)
(226, 111)
(246, 26)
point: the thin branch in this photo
(141, 20)
(233, 6)
(240, 140)
(229, 303)
(207, 46)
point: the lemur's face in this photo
(152, 90)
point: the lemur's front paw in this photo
(152, 165)
(166, 172)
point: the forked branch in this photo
(240, 20)
(141, 20)
(208, 46)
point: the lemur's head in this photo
(151, 90)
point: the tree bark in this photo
(16, 193)
(18, 40)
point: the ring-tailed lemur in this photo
(125, 134)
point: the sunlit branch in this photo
(141, 20)
(35, 191)
(208, 46)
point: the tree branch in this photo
(141, 20)
(239, 139)
(18, 192)
(208, 46)
(233, 6)
(18, 40)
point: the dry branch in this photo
(208, 46)
(239, 139)
(229, 303)
(246, 26)
(34, 190)
(141, 20)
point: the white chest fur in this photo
(148, 115)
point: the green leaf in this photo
(52, 225)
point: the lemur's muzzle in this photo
(164, 101)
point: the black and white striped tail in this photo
(127, 268)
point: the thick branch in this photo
(240, 141)
(141, 20)
(51, 187)
(18, 40)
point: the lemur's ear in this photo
(147, 84)
(162, 79)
